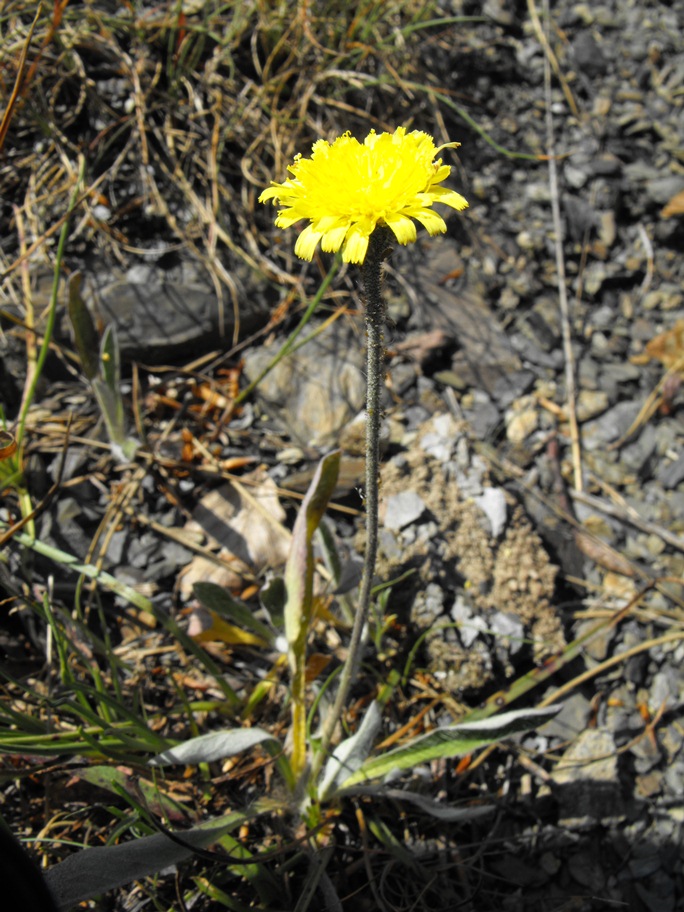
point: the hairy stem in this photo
(379, 249)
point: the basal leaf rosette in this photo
(347, 189)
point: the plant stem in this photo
(379, 249)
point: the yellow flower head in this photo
(347, 188)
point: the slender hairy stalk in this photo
(379, 249)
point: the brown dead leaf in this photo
(668, 346)
(602, 554)
(244, 521)
(316, 664)
(674, 207)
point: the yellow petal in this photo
(306, 243)
(345, 188)
(449, 198)
(434, 223)
(403, 228)
(332, 240)
(355, 248)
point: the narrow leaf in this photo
(116, 780)
(217, 599)
(91, 872)
(299, 573)
(208, 627)
(432, 808)
(299, 567)
(86, 339)
(110, 359)
(452, 741)
(215, 746)
(351, 753)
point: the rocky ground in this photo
(529, 512)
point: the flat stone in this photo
(403, 509)
(315, 391)
(611, 426)
(671, 474)
(586, 781)
(587, 869)
(160, 314)
(571, 720)
(485, 353)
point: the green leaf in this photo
(94, 871)
(215, 746)
(299, 573)
(226, 743)
(351, 753)
(86, 339)
(300, 565)
(117, 780)
(110, 359)
(452, 741)
(216, 598)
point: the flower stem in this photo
(379, 249)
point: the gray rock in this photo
(516, 383)
(470, 624)
(316, 390)
(612, 425)
(571, 720)
(492, 502)
(483, 416)
(587, 869)
(160, 314)
(508, 631)
(403, 509)
(635, 455)
(586, 781)
(671, 474)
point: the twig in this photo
(558, 243)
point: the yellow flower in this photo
(347, 188)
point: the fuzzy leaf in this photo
(452, 741)
(93, 871)
(116, 780)
(215, 746)
(299, 574)
(86, 339)
(299, 567)
(432, 808)
(351, 753)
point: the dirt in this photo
(455, 550)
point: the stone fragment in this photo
(315, 391)
(403, 509)
(586, 781)
(492, 502)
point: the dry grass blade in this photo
(570, 391)
(18, 82)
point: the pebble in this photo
(521, 420)
(492, 502)
(587, 869)
(591, 403)
(402, 510)
(612, 425)
(470, 624)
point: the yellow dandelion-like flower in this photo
(347, 188)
